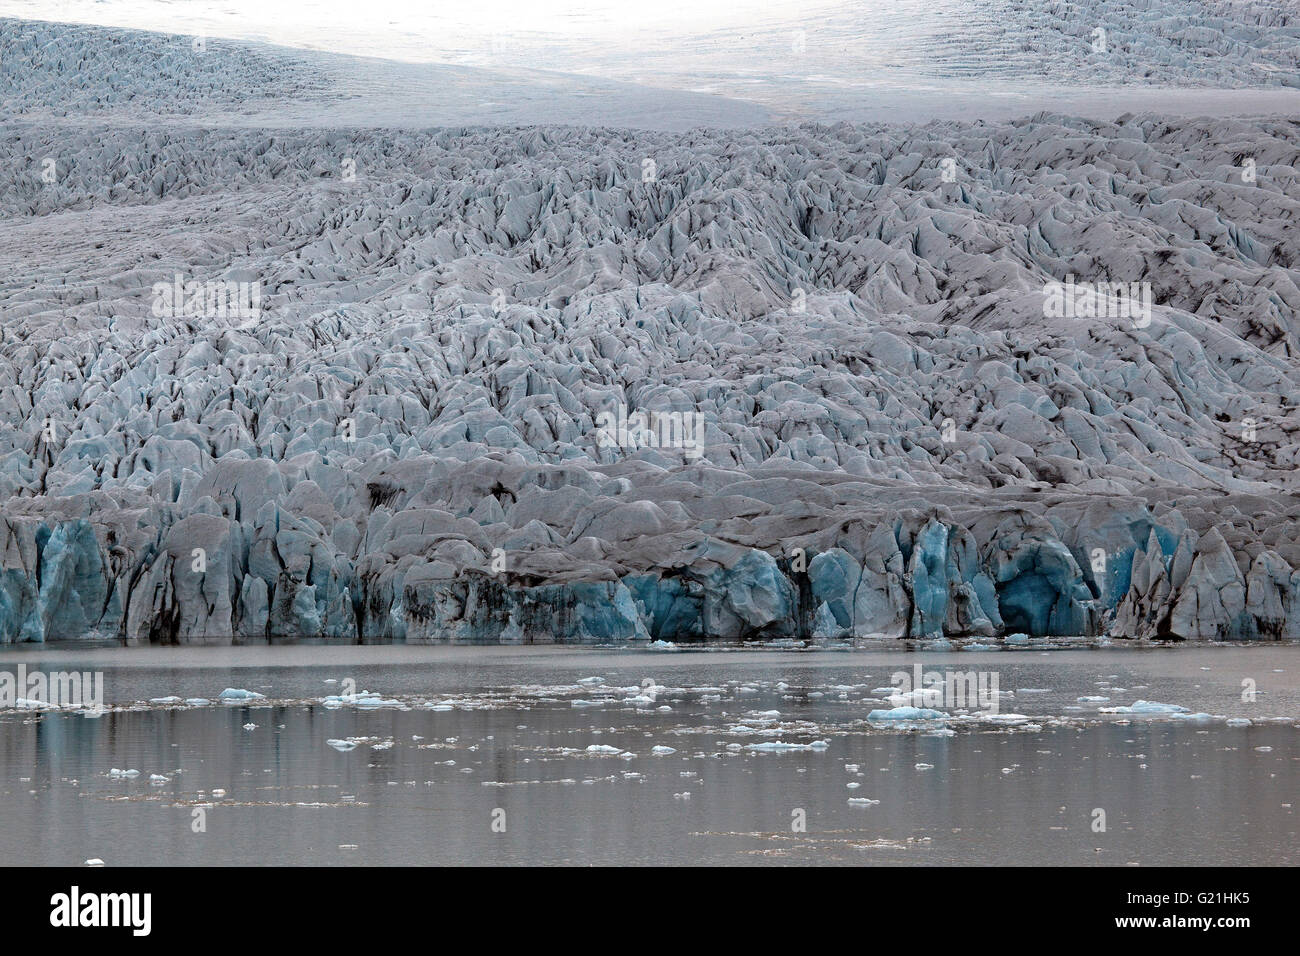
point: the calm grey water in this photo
(507, 745)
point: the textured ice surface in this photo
(404, 445)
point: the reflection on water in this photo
(567, 753)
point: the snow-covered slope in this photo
(72, 74)
(900, 432)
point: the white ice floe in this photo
(906, 713)
(237, 694)
(1145, 707)
(781, 746)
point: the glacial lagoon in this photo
(678, 756)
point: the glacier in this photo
(403, 443)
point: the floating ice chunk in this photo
(94, 861)
(907, 713)
(123, 774)
(862, 802)
(1146, 707)
(342, 746)
(1238, 722)
(782, 746)
(591, 681)
(375, 702)
(238, 693)
(924, 766)
(1093, 700)
(197, 701)
(157, 779)
(603, 749)
(164, 700)
(663, 751)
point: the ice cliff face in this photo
(464, 401)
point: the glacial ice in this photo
(402, 447)
(236, 694)
(1145, 707)
(907, 713)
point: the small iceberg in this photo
(238, 693)
(907, 713)
(1146, 707)
(781, 746)
(342, 746)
